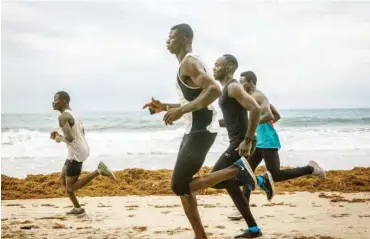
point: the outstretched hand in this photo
(155, 106)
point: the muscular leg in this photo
(74, 170)
(272, 161)
(227, 170)
(190, 206)
(75, 184)
(203, 182)
(241, 203)
(71, 194)
(233, 186)
(63, 179)
(191, 156)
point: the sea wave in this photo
(111, 125)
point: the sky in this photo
(111, 56)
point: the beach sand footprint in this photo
(278, 204)
(49, 205)
(173, 231)
(131, 207)
(59, 226)
(140, 228)
(61, 218)
(29, 227)
(15, 205)
(164, 206)
(340, 215)
(207, 205)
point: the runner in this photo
(78, 151)
(234, 106)
(197, 90)
(268, 142)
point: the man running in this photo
(197, 90)
(268, 142)
(234, 103)
(78, 151)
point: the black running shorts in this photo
(193, 151)
(73, 168)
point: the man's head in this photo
(61, 100)
(180, 37)
(224, 66)
(248, 79)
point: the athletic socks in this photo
(254, 229)
(251, 232)
(260, 180)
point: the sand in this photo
(140, 204)
(291, 215)
(157, 182)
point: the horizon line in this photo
(136, 111)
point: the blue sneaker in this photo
(266, 183)
(249, 234)
(246, 175)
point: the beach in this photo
(293, 215)
(88, 70)
(140, 204)
(142, 153)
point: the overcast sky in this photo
(112, 55)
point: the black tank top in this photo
(202, 118)
(235, 116)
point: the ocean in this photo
(335, 138)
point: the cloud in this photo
(112, 56)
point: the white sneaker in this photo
(105, 171)
(235, 216)
(317, 171)
(76, 211)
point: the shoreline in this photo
(143, 182)
(300, 215)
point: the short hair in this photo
(250, 76)
(184, 29)
(64, 95)
(232, 61)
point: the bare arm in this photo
(167, 106)
(236, 91)
(67, 130)
(275, 113)
(211, 90)
(267, 115)
(155, 106)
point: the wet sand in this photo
(157, 182)
(291, 215)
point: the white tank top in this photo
(78, 149)
(190, 118)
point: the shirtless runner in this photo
(268, 143)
